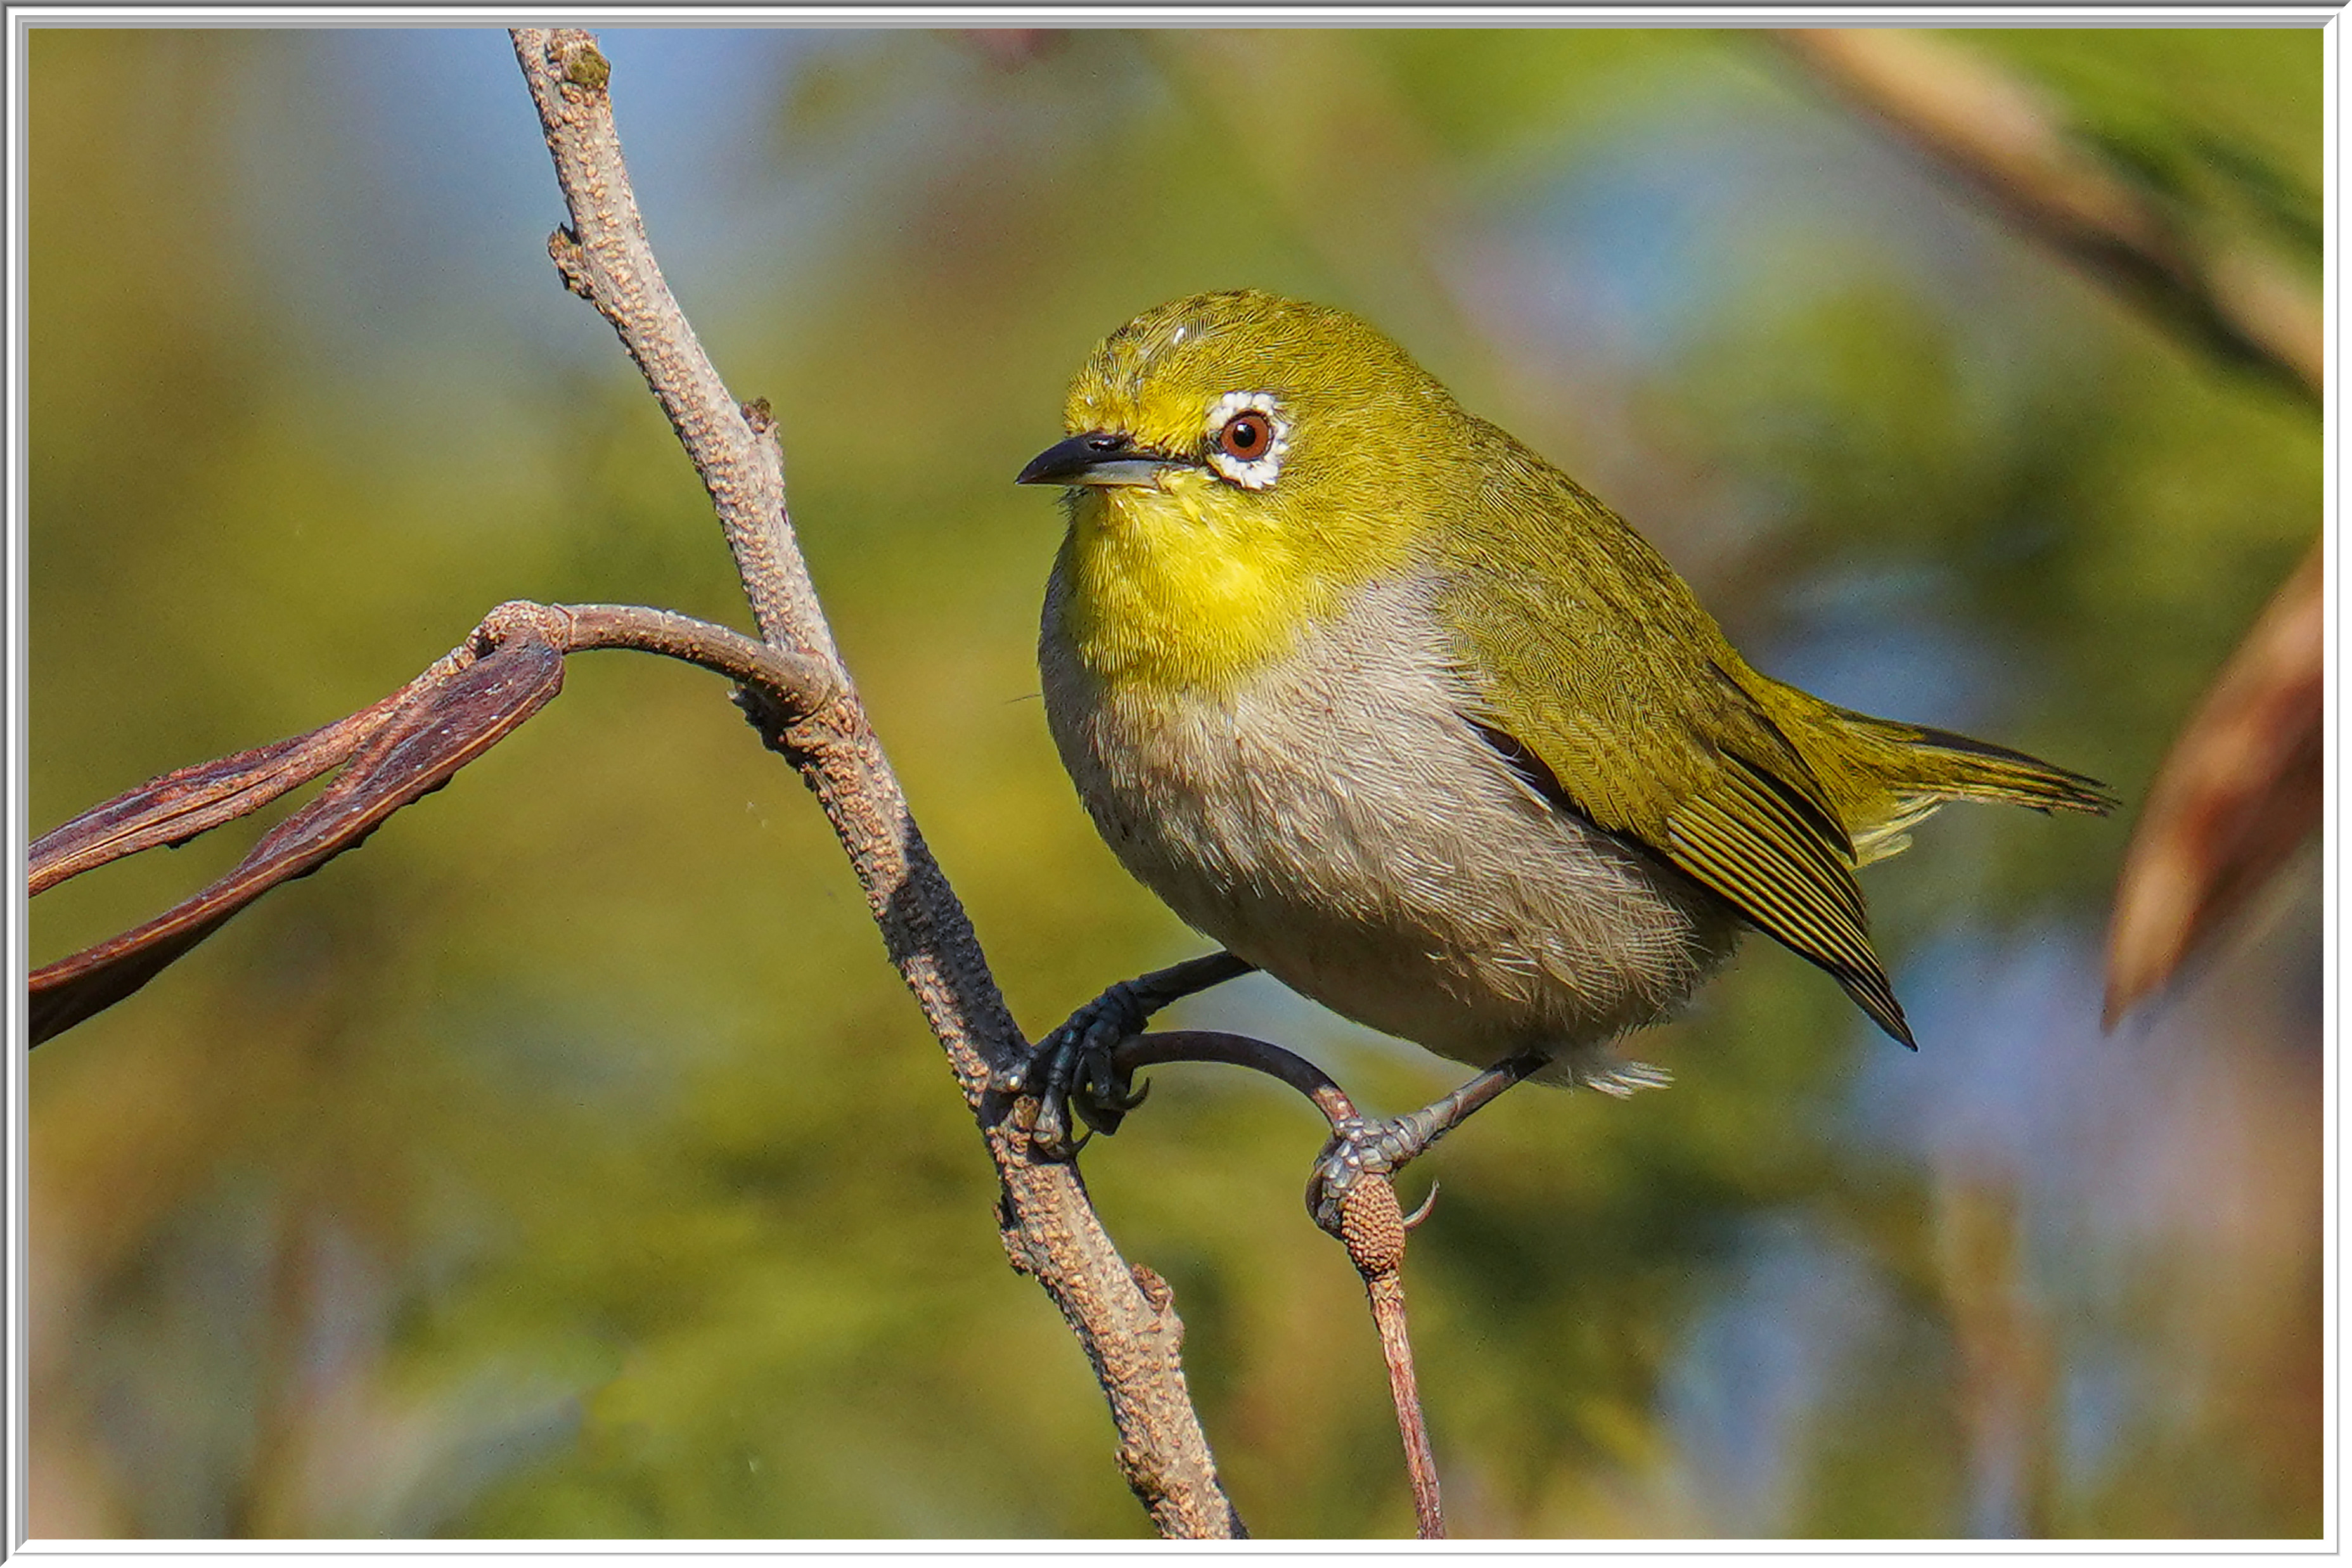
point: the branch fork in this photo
(792, 684)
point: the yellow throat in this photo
(1188, 564)
(1168, 590)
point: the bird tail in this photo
(1924, 768)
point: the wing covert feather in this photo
(1593, 658)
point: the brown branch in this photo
(1989, 129)
(1242, 1051)
(793, 683)
(1373, 1228)
(604, 258)
(1121, 1316)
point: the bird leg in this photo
(1072, 1069)
(1358, 1148)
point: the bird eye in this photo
(1247, 439)
(1247, 435)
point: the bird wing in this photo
(1614, 695)
(1766, 840)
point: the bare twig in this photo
(1373, 1228)
(1988, 128)
(604, 258)
(1366, 1220)
(1241, 1051)
(794, 684)
(1126, 1326)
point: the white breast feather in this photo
(1340, 824)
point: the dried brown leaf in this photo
(406, 755)
(2239, 792)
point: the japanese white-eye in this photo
(1392, 708)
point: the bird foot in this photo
(1074, 1069)
(1360, 1149)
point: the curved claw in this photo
(1358, 1148)
(1101, 1097)
(1071, 1071)
(1104, 1099)
(1074, 1066)
(1048, 1134)
(1051, 1131)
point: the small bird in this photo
(1396, 711)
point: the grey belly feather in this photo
(1338, 822)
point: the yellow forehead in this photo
(1161, 377)
(1156, 379)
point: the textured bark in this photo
(1121, 1316)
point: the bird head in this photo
(1246, 401)
(1236, 461)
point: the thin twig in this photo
(1374, 1228)
(1367, 1221)
(794, 684)
(1242, 1051)
(1987, 128)
(606, 259)
(1127, 1328)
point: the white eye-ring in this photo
(1247, 438)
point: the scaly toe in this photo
(1356, 1149)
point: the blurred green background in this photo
(570, 1162)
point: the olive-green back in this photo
(1594, 657)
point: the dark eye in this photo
(1247, 435)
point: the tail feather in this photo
(1921, 769)
(1958, 767)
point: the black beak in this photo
(1097, 457)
